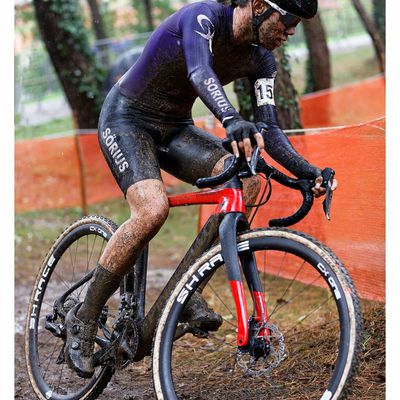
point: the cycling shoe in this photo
(199, 315)
(80, 343)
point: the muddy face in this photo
(273, 33)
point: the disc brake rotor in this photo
(264, 365)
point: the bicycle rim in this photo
(314, 319)
(74, 254)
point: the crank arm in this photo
(106, 354)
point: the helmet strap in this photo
(257, 20)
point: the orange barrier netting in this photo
(346, 105)
(61, 172)
(356, 232)
(70, 171)
(99, 182)
(46, 174)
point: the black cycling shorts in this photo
(136, 144)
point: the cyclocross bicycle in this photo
(291, 332)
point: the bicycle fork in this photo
(231, 252)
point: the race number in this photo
(264, 89)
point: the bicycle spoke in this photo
(224, 304)
(289, 286)
(310, 285)
(99, 253)
(49, 361)
(61, 374)
(311, 312)
(74, 264)
(48, 341)
(62, 280)
(275, 276)
(87, 253)
(72, 258)
(303, 348)
(91, 251)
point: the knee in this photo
(149, 208)
(151, 214)
(251, 186)
(251, 189)
(219, 165)
(156, 211)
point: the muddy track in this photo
(134, 382)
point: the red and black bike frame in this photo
(230, 203)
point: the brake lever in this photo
(252, 164)
(327, 176)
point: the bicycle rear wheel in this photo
(74, 254)
(314, 321)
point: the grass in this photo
(36, 231)
(346, 68)
(49, 128)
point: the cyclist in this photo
(146, 123)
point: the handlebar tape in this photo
(224, 176)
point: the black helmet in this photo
(301, 8)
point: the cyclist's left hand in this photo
(240, 133)
(318, 190)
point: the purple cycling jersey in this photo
(191, 55)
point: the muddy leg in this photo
(149, 208)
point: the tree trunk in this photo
(369, 25)
(319, 67)
(62, 30)
(379, 7)
(286, 96)
(242, 88)
(149, 14)
(98, 26)
(97, 20)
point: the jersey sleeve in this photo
(199, 25)
(277, 144)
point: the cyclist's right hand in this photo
(239, 133)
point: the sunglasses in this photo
(289, 20)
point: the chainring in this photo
(128, 344)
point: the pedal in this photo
(199, 333)
(53, 327)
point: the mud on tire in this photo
(75, 252)
(311, 300)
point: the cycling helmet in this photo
(301, 8)
(291, 12)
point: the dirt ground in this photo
(134, 382)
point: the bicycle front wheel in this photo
(314, 324)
